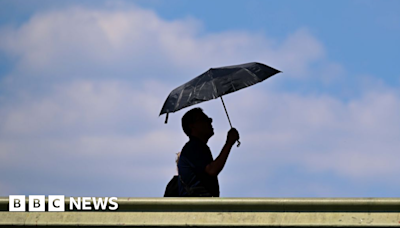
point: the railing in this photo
(219, 212)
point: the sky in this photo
(82, 84)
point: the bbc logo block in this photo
(16, 203)
(57, 203)
(37, 203)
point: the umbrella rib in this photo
(179, 99)
(234, 89)
(213, 84)
(251, 73)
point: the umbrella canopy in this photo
(215, 83)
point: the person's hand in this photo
(233, 136)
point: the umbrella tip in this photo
(166, 118)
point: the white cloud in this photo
(88, 130)
(83, 103)
(86, 42)
(355, 139)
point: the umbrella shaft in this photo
(226, 112)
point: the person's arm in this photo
(215, 167)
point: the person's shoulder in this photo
(191, 148)
(187, 148)
(191, 143)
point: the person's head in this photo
(196, 123)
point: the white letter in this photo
(86, 203)
(113, 203)
(100, 202)
(73, 203)
(16, 203)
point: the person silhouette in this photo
(198, 171)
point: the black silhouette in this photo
(197, 169)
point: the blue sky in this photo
(82, 83)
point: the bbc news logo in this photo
(57, 203)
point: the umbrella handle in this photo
(238, 143)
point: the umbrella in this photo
(215, 83)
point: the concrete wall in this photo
(219, 212)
